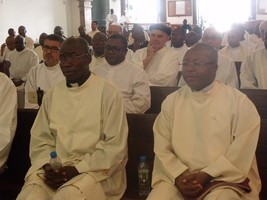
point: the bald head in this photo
(200, 66)
(114, 28)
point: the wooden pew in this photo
(158, 94)
(140, 142)
(238, 67)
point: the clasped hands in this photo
(192, 184)
(56, 178)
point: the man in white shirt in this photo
(159, 62)
(29, 41)
(45, 75)
(131, 80)
(9, 48)
(22, 60)
(8, 117)
(253, 70)
(262, 28)
(178, 42)
(94, 29)
(226, 72)
(236, 49)
(116, 28)
(39, 49)
(98, 43)
(111, 17)
(83, 119)
(204, 143)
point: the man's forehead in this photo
(47, 41)
(158, 32)
(70, 47)
(117, 42)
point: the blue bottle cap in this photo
(143, 158)
(53, 154)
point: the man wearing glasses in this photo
(130, 79)
(226, 72)
(203, 141)
(83, 119)
(46, 74)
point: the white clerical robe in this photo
(163, 67)
(42, 77)
(207, 131)
(237, 54)
(87, 127)
(133, 83)
(253, 73)
(22, 62)
(8, 117)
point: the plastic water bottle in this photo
(143, 177)
(55, 161)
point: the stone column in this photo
(85, 7)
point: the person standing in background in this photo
(29, 41)
(111, 17)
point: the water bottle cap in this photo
(53, 154)
(142, 158)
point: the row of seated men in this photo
(133, 68)
(238, 49)
(204, 145)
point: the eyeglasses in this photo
(52, 49)
(196, 64)
(70, 57)
(114, 48)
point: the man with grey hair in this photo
(160, 62)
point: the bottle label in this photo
(143, 174)
(143, 182)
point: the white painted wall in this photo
(43, 15)
(38, 16)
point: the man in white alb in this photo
(204, 143)
(253, 73)
(159, 62)
(45, 75)
(131, 80)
